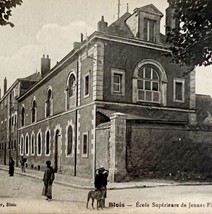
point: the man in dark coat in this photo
(48, 179)
(101, 179)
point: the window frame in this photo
(72, 141)
(85, 155)
(179, 80)
(22, 145)
(121, 74)
(34, 110)
(70, 100)
(50, 101)
(23, 116)
(26, 146)
(151, 81)
(148, 21)
(47, 131)
(39, 133)
(34, 142)
(89, 84)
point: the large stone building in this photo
(115, 100)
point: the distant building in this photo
(9, 116)
(115, 100)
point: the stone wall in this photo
(168, 152)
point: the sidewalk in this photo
(83, 183)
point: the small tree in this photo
(191, 38)
(6, 7)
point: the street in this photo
(21, 194)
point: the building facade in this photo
(116, 100)
(9, 116)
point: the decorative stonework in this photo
(93, 139)
(98, 73)
(78, 133)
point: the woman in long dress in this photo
(48, 179)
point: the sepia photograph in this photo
(105, 106)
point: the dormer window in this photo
(149, 30)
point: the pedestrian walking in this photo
(48, 179)
(11, 166)
(23, 161)
(100, 182)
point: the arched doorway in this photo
(56, 156)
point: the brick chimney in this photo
(45, 65)
(5, 85)
(102, 25)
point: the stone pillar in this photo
(192, 104)
(117, 148)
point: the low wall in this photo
(161, 151)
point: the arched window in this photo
(70, 140)
(22, 145)
(39, 144)
(148, 84)
(71, 92)
(47, 142)
(23, 116)
(32, 144)
(49, 103)
(27, 145)
(34, 111)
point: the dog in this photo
(99, 195)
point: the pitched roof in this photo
(119, 27)
(32, 77)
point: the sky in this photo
(51, 26)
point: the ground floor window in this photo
(85, 145)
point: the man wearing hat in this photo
(101, 179)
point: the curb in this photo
(109, 188)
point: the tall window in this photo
(47, 142)
(86, 85)
(71, 91)
(49, 103)
(85, 145)
(179, 90)
(22, 116)
(27, 145)
(118, 82)
(32, 144)
(39, 144)
(70, 140)
(149, 30)
(22, 145)
(148, 84)
(34, 108)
